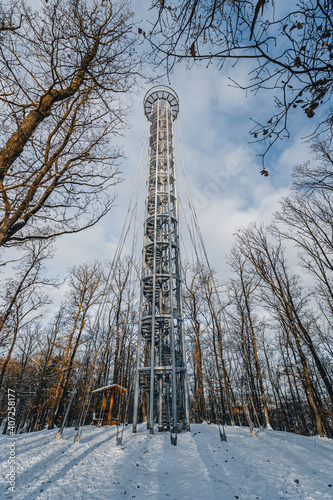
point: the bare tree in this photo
(63, 69)
(84, 292)
(243, 291)
(22, 297)
(46, 361)
(318, 174)
(214, 318)
(305, 218)
(195, 330)
(290, 44)
(282, 294)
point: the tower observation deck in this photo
(161, 377)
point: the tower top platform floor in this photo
(164, 94)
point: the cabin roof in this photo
(109, 388)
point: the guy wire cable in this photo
(136, 231)
(201, 241)
(100, 310)
(116, 259)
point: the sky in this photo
(223, 168)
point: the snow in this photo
(109, 387)
(273, 466)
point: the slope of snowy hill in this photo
(273, 466)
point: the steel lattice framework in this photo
(161, 364)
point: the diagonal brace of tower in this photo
(161, 364)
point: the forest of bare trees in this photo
(259, 345)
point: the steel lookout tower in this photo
(161, 365)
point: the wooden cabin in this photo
(108, 391)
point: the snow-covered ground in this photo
(273, 466)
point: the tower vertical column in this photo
(161, 364)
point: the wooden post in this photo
(111, 406)
(104, 401)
